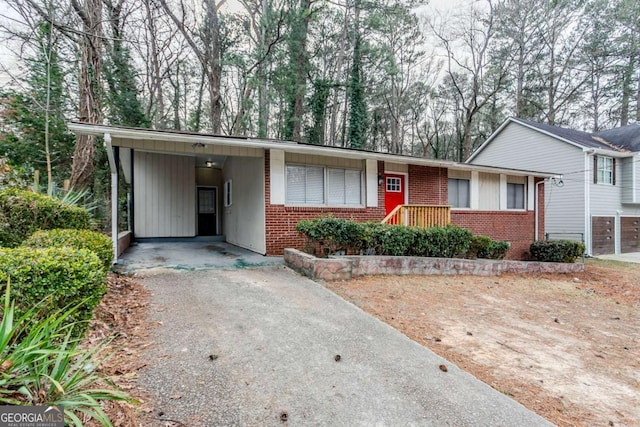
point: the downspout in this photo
(537, 207)
(114, 195)
(587, 199)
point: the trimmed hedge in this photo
(333, 234)
(97, 243)
(557, 250)
(23, 212)
(63, 276)
(486, 247)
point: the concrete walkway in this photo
(633, 257)
(258, 347)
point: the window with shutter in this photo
(604, 170)
(316, 185)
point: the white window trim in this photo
(612, 170)
(325, 184)
(228, 193)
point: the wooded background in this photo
(386, 75)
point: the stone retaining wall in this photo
(347, 267)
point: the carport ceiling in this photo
(209, 161)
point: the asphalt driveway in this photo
(258, 347)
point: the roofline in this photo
(293, 147)
(491, 137)
(612, 153)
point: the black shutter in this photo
(613, 171)
(595, 169)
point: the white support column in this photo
(503, 192)
(277, 177)
(371, 186)
(474, 191)
(114, 195)
(531, 194)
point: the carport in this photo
(185, 185)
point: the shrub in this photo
(391, 239)
(446, 242)
(486, 247)
(556, 250)
(63, 276)
(23, 212)
(384, 239)
(43, 365)
(332, 234)
(97, 243)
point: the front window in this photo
(515, 196)
(458, 193)
(604, 170)
(317, 185)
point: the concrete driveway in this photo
(633, 257)
(266, 347)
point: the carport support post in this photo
(114, 195)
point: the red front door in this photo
(393, 191)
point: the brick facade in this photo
(426, 185)
(281, 220)
(517, 227)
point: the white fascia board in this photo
(608, 153)
(291, 147)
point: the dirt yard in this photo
(567, 347)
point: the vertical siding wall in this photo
(244, 220)
(164, 195)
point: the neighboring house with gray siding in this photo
(598, 196)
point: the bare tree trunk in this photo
(156, 93)
(335, 105)
(89, 81)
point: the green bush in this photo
(23, 212)
(64, 277)
(383, 239)
(486, 247)
(97, 243)
(391, 239)
(332, 234)
(557, 250)
(444, 242)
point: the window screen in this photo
(458, 192)
(515, 196)
(307, 185)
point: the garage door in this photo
(603, 231)
(630, 234)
